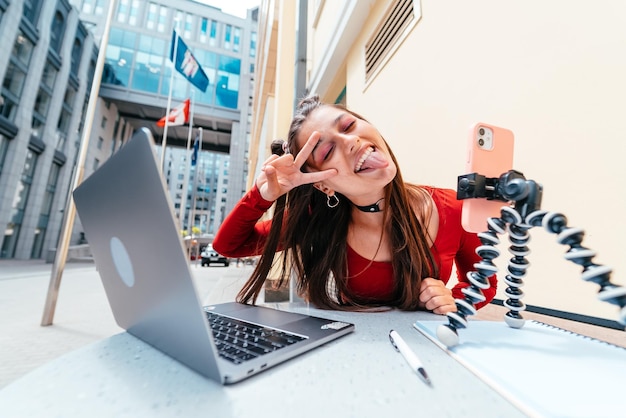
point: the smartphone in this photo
(489, 153)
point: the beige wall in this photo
(554, 73)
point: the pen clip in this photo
(392, 341)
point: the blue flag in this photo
(194, 153)
(186, 64)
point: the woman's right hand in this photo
(280, 174)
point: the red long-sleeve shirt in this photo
(242, 235)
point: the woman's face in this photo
(354, 148)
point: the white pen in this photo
(400, 345)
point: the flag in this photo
(186, 64)
(178, 116)
(194, 153)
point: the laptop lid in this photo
(130, 226)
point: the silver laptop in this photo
(129, 223)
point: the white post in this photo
(183, 206)
(70, 209)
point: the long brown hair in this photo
(313, 238)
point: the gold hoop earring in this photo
(333, 203)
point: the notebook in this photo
(542, 369)
(129, 223)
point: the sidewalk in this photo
(82, 315)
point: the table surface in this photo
(358, 375)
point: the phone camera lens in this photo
(481, 142)
(481, 131)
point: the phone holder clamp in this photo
(522, 213)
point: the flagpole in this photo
(195, 179)
(183, 205)
(202, 181)
(70, 210)
(192, 217)
(169, 98)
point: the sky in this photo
(234, 7)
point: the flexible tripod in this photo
(517, 219)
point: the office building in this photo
(53, 49)
(138, 79)
(49, 61)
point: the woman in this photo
(355, 233)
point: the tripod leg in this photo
(447, 333)
(519, 237)
(556, 223)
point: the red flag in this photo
(178, 116)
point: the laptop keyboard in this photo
(239, 341)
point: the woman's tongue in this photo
(375, 160)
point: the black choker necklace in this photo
(371, 208)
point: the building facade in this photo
(138, 79)
(52, 50)
(50, 60)
(424, 71)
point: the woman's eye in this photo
(327, 155)
(348, 126)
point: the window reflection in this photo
(140, 62)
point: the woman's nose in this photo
(354, 142)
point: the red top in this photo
(242, 235)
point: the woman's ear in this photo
(322, 188)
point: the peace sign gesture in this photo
(282, 173)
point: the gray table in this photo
(357, 375)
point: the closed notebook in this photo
(544, 370)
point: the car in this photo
(209, 255)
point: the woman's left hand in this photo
(436, 297)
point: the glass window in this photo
(203, 29)
(227, 83)
(42, 102)
(227, 36)
(119, 57)
(123, 8)
(22, 49)
(70, 95)
(64, 121)
(103, 124)
(46, 208)
(77, 51)
(61, 141)
(56, 32)
(236, 39)
(162, 19)
(149, 63)
(134, 12)
(153, 16)
(87, 6)
(49, 76)
(37, 125)
(99, 8)
(213, 33)
(96, 164)
(13, 82)
(188, 26)
(31, 10)
(253, 44)
(4, 149)
(20, 200)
